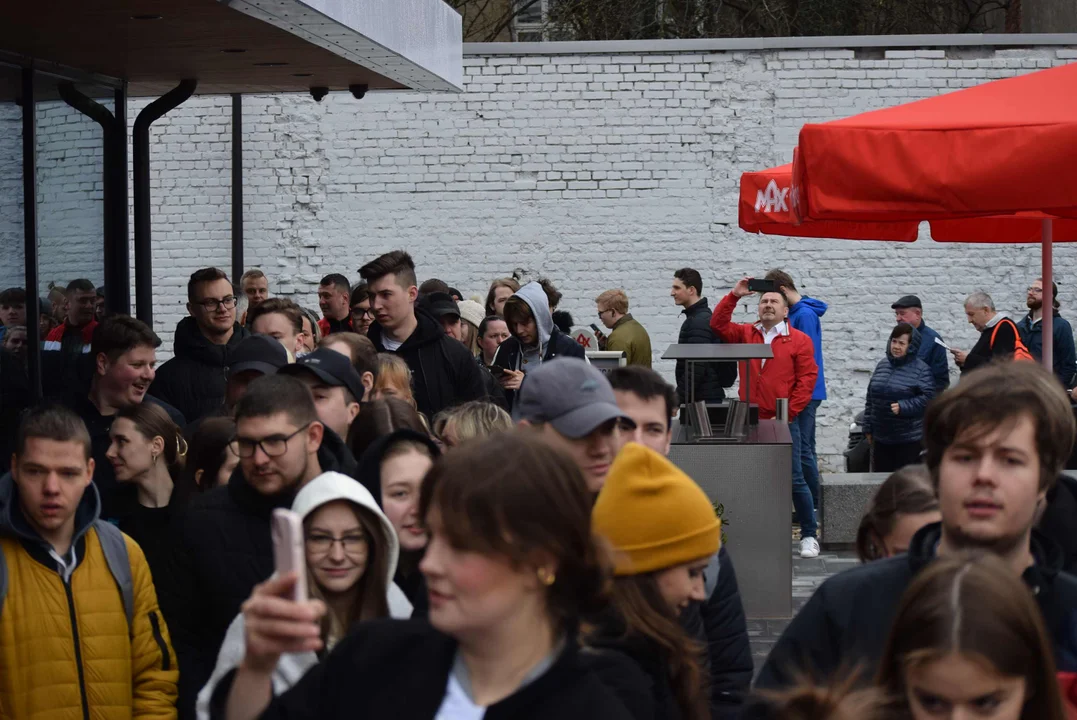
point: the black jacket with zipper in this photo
(221, 549)
(443, 371)
(194, 380)
(400, 669)
(845, 623)
(719, 625)
(711, 379)
(510, 354)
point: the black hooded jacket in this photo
(408, 578)
(443, 371)
(846, 621)
(194, 381)
(221, 549)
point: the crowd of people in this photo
(491, 525)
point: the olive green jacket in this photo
(628, 335)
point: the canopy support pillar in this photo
(29, 224)
(141, 162)
(1047, 323)
(237, 188)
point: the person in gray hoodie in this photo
(351, 556)
(535, 339)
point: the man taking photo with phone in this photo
(790, 374)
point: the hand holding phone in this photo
(288, 555)
(762, 286)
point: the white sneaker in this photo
(809, 548)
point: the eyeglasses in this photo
(211, 304)
(362, 312)
(272, 446)
(603, 312)
(354, 545)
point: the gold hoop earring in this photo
(546, 576)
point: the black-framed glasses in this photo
(603, 312)
(272, 446)
(362, 312)
(211, 304)
(353, 545)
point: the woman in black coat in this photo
(510, 568)
(898, 394)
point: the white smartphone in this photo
(288, 555)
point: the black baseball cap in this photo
(331, 367)
(258, 352)
(908, 301)
(440, 304)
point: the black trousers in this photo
(889, 458)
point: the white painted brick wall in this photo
(597, 170)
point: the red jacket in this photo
(345, 326)
(791, 373)
(56, 335)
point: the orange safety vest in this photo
(1020, 351)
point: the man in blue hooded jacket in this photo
(804, 314)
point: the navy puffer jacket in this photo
(907, 381)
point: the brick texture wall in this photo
(596, 170)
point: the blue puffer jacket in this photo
(907, 381)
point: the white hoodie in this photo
(327, 487)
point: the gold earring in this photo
(546, 576)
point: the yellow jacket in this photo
(66, 651)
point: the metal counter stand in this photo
(746, 464)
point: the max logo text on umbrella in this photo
(772, 199)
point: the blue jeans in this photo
(809, 461)
(802, 502)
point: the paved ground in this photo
(807, 576)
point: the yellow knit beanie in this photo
(653, 514)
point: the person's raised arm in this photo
(273, 626)
(722, 319)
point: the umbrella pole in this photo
(1047, 323)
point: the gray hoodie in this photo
(535, 297)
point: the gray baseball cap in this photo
(569, 394)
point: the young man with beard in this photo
(995, 446)
(124, 355)
(444, 372)
(193, 381)
(223, 546)
(1031, 329)
(790, 374)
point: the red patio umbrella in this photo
(992, 163)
